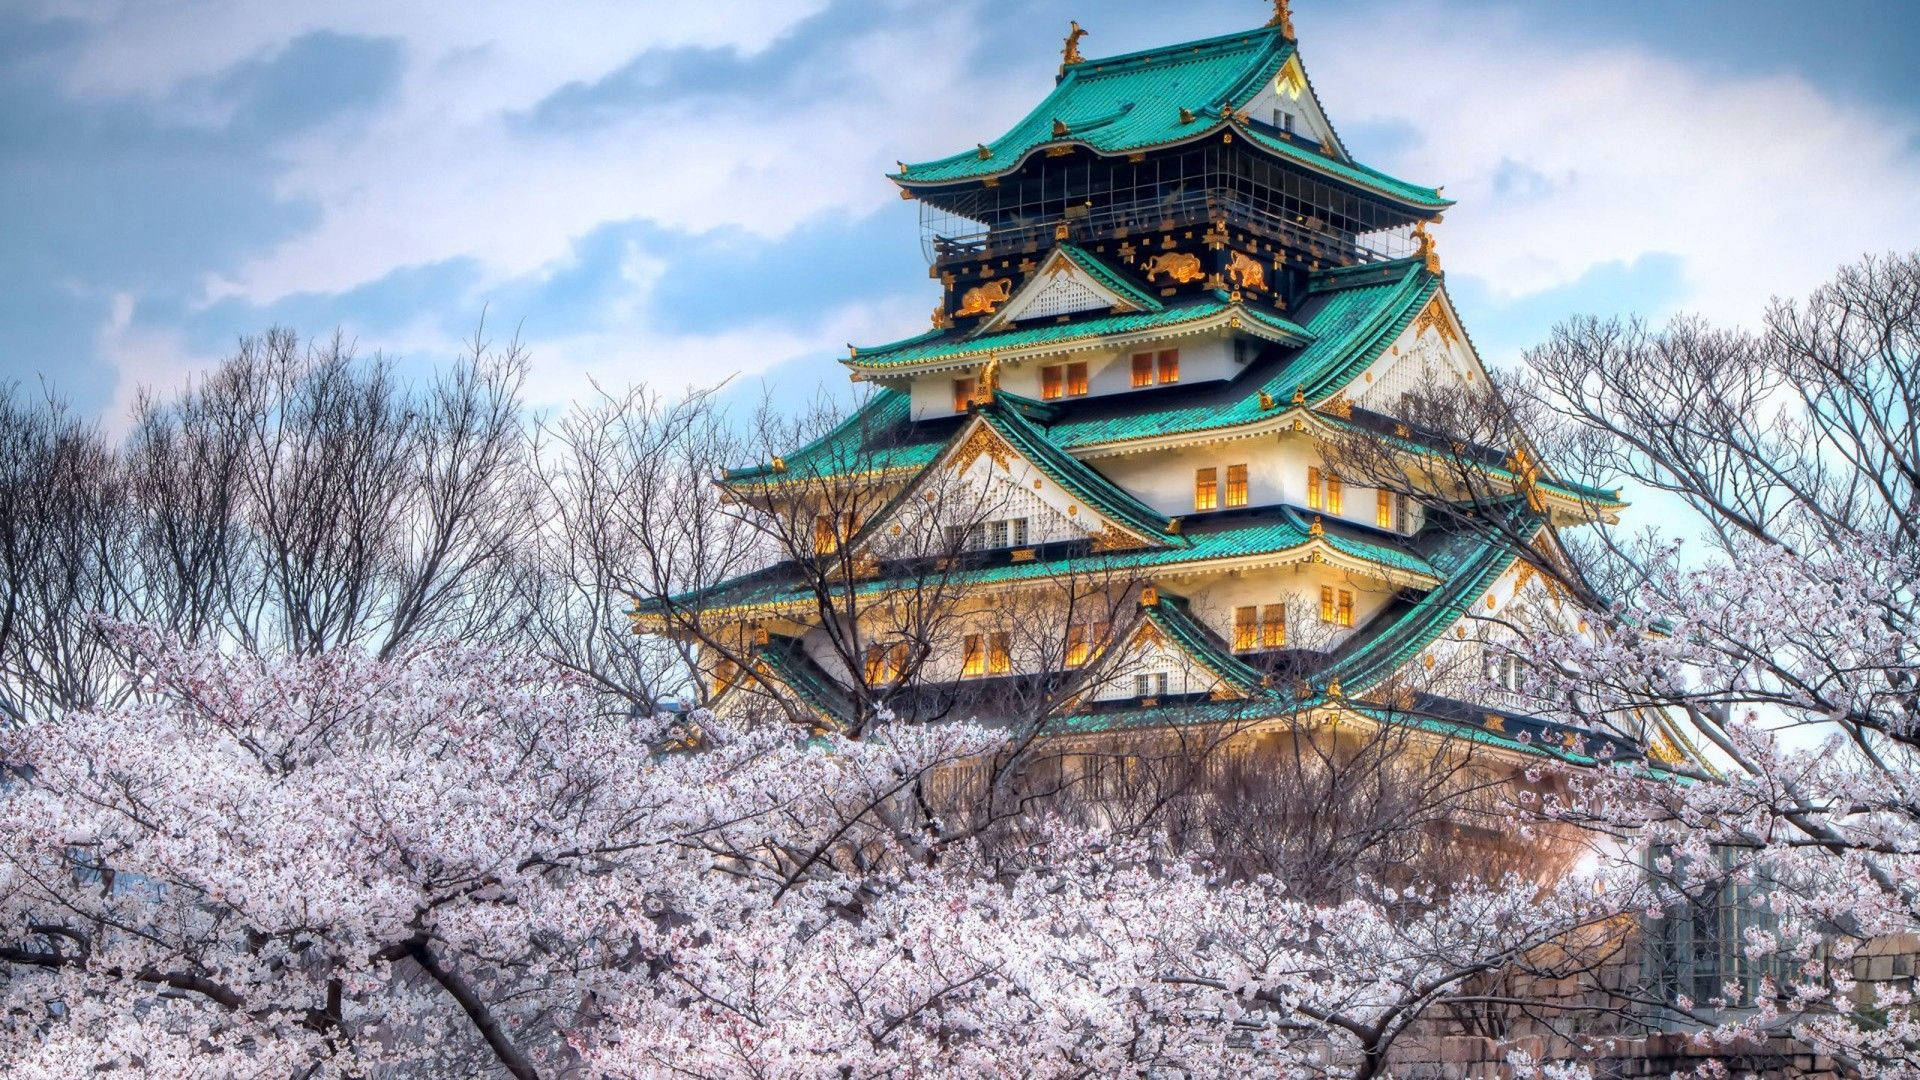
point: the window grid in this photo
(1000, 653)
(1236, 485)
(1246, 628)
(1336, 496)
(1051, 384)
(1142, 370)
(1169, 366)
(1273, 626)
(1077, 380)
(1313, 489)
(973, 661)
(1383, 514)
(1206, 488)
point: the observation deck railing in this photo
(1299, 230)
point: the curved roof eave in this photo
(1329, 168)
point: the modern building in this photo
(1169, 296)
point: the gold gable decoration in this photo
(1434, 318)
(982, 441)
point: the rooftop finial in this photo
(1070, 55)
(1426, 250)
(1282, 17)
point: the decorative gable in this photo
(1068, 282)
(1288, 103)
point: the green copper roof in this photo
(876, 437)
(1173, 619)
(1122, 104)
(1533, 737)
(1349, 327)
(1350, 317)
(1083, 481)
(945, 346)
(1471, 563)
(1353, 172)
(788, 663)
(1231, 535)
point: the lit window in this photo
(974, 660)
(1142, 370)
(886, 663)
(1246, 628)
(963, 394)
(824, 539)
(1326, 604)
(1051, 383)
(1383, 515)
(1273, 626)
(1076, 380)
(1000, 653)
(1082, 640)
(1345, 614)
(1170, 366)
(1206, 489)
(1313, 488)
(1236, 485)
(1336, 497)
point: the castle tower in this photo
(1165, 294)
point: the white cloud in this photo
(144, 358)
(446, 172)
(1760, 184)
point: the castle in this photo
(1103, 490)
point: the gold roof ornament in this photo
(779, 464)
(1282, 17)
(989, 379)
(1266, 400)
(1316, 527)
(1334, 691)
(1060, 129)
(1070, 53)
(1426, 250)
(983, 150)
(1149, 596)
(1299, 395)
(1186, 115)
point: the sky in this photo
(677, 193)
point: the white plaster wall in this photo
(1202, 359)
(1277, 466)
(1415, 359)
(1308, 120)
(1213, 600)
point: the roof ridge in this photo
(1167, 52)
(1174, 616)
(1078, 477)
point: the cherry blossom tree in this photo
(445, 863)
(1785, 638)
